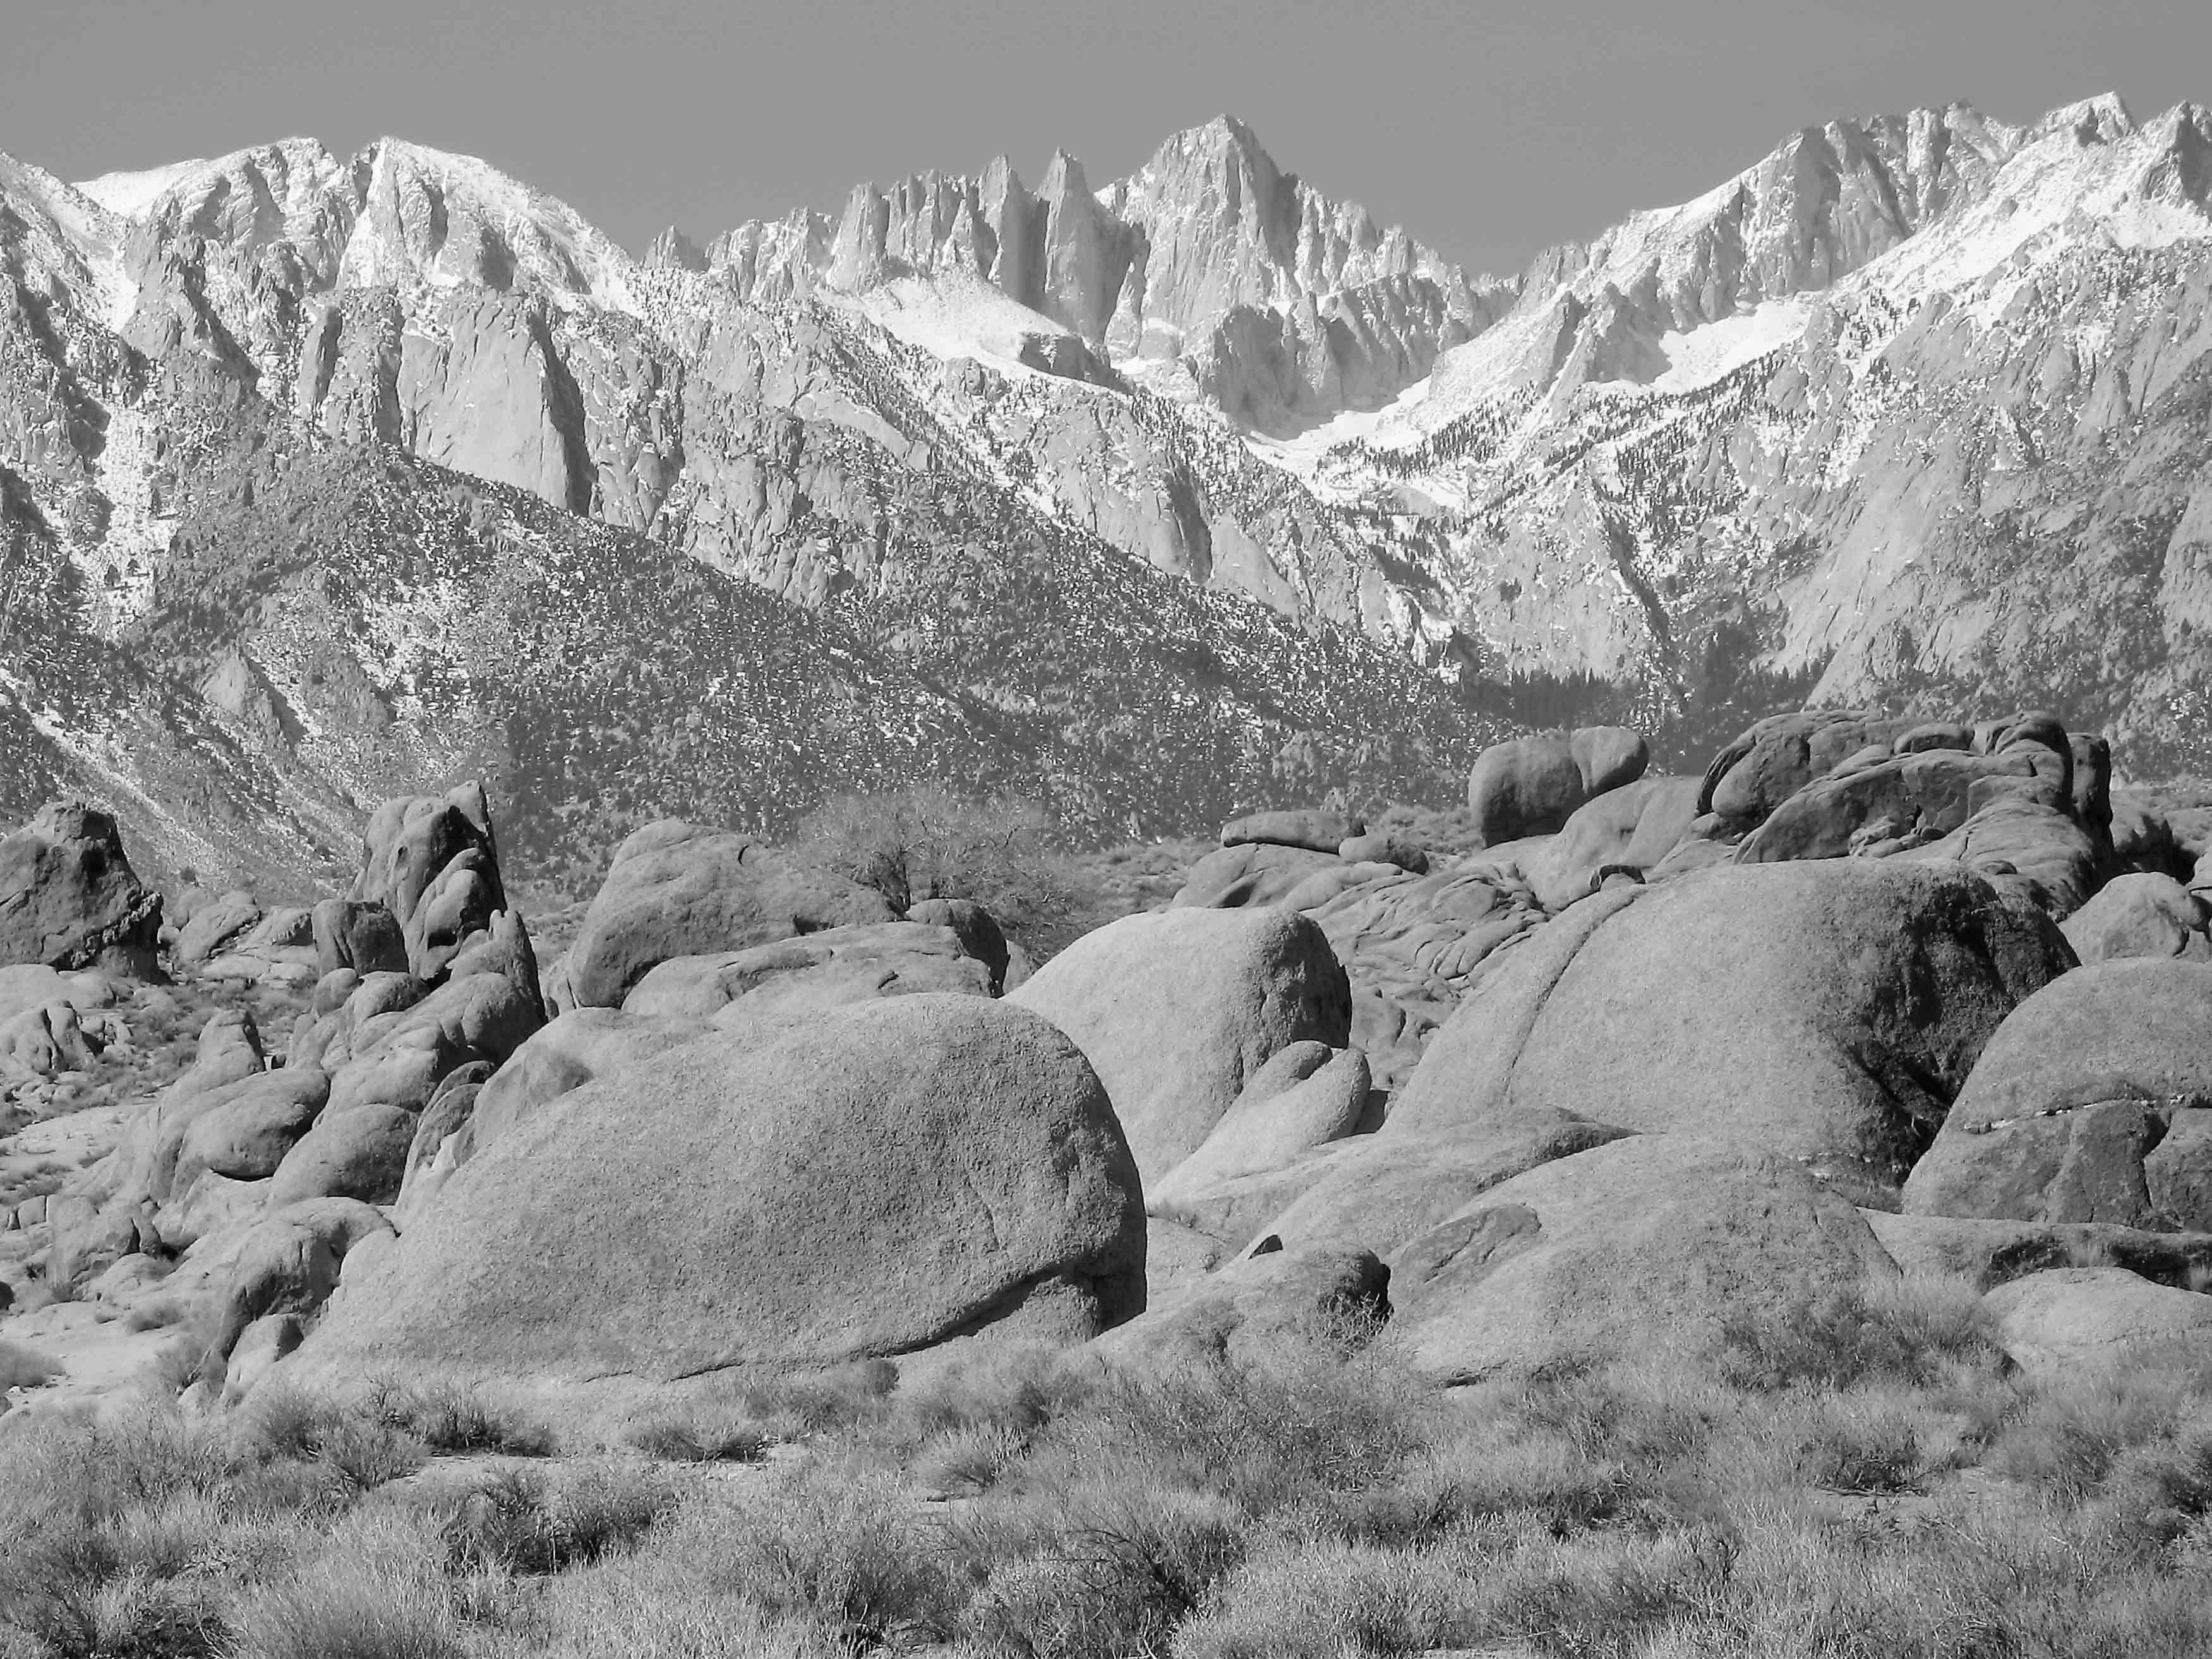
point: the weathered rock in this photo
(290, 1261)
(2140, 915)
(359, 934)
(1384, 1191)
(1176, 1010)
(359, 1152)
(1251, 874)
(1645, 1244)
(1608, 758)
(2053, 861)
(1376, 846)
(1240, 1308)
(1779, 756)
(111, 1209)
(824, 969)
(1631, 828)
(433, 862)
(1825, 1011)
(1525, 786)
(2066, 1320)
(1993, 1252)
(69, 898)
(888, 1176)
(2093, 1102)
(444, 1136)
(1909, 799)
(43, 1041)
(1377, 1191)
(578, 1047)
(259, 1347)
(1317, 828)
(246, 1134)
(675, 890)
(977, 928)
(1306, 1096)
(215, 925)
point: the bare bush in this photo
(925, 843)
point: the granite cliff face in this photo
(1912, 412)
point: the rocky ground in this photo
(1628, 1214)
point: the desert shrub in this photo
(522, 1521)
(2156, 1493)
(448, 1418)
(1907, 1330)
(355, 1439)
(652, 1605)
(698, 1438)
(1310, 1599)
(118, 1534)
(1097, 1571)
(961, 1427)
(832, 1543)
(924, 841)
(1300, 1421)
(792, 1407)
(968, 1459)
(1868, 1454)
(373, 1590)
(2065, 1438)
(25, 1367)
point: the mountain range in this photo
(322, 478)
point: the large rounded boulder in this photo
(1828, 1011)
(676, 889)
(1532, 785)
(1177, 1010)
(69, 897)
(821, 969)
(883, 1178)
(2145, 913)
(2092, 1102)
(1647, 1242)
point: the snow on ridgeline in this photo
(132, 195)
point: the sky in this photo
(1489, 128)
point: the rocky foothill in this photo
(1872, 996)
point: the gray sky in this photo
(1489, 128)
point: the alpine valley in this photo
(327, 479)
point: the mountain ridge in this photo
(1782, 435)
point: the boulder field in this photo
(1633, 1055)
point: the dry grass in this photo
(24, 1367)
(1860, 1478)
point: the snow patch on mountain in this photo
(959, 315)
(132, 195)
(1702, 355)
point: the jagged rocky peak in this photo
(433, 217)
(673, 250)
(1824, 204)
(52, 236)
(1225, 227)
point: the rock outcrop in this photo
(821, 970)
(676, 890)
(2093, 1102)
(1825, 1011)
(2067, 1322)
(886, 1178)
(235, 1139)
(1178, 1011)
(1634, 1247)
(1533, 786)
(69, 897)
